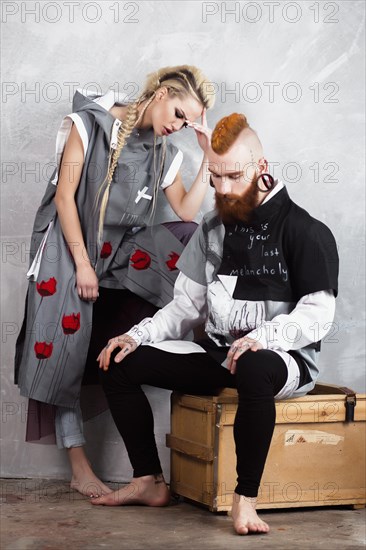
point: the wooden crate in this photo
(316, 457)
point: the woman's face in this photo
(171, 113)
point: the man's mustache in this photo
(228, 197)
(233, 208)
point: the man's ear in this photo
(262, 165)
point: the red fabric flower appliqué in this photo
(43, 350)
(106, 250)
(140, 260)
(71, 323)
(47, 288)
(174, 257)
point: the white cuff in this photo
(141, 333)
(173, 170)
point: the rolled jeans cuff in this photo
(69, 427)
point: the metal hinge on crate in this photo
(350, 404)
(350, 401)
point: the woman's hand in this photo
(87, 283)
(237, 349)
(125, 342)
(203, 133)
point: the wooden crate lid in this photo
(325, 403)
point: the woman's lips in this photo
(166, 131)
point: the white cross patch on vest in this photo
(142, 195)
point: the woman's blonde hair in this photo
(180, 80)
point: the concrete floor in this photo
(47, 515)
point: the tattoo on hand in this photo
(126, 340)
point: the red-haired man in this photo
(261, 273)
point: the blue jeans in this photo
(69, 427)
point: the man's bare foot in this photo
(148, 490)
(245, 516)
(83, 478)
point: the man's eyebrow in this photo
(231, 172)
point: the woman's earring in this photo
(268, 182)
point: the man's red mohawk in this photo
(226, 131)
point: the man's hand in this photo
(125, 342)
(239, 347)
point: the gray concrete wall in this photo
(295, 69)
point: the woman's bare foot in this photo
(83, 478)
(88, 484)
(245, 516)
(148, 490)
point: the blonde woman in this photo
(98, 264)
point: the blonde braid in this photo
(123, 133)
(183, 80)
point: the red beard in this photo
(237, 208)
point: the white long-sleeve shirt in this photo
(307, 323)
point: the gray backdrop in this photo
(294, 68)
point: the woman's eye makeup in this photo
(180, 115)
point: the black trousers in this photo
(260, 376)
(117, 310)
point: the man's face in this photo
(234, 178)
